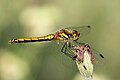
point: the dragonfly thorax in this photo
(66, 34)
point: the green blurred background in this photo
(44, 61)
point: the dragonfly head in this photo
(76, 35)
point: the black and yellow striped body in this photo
(33, 39)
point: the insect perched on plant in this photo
(67, 35)
(81, 53)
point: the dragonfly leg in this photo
(65, 48)
(79, 43)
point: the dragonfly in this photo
(67, 35)
(85, 57)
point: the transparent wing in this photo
(60, 57)
(98, 57)
(84, 30)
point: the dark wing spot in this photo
(89, 26)
(101, 56)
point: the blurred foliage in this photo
(44, 61)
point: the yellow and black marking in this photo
(62, 36)
(33, 39)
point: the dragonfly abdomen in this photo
(33, 39)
